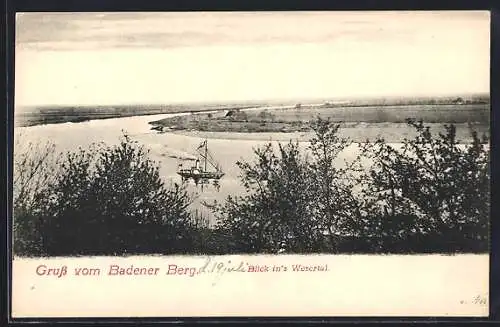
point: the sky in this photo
(161, 58)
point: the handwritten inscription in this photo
(477, 300)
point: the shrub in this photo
(439, 187)
(274, 212)
(111, 200)
(336, 207)
(430, 196)
(294, 203)
(34, 169)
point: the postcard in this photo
(232, 164)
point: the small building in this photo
(236, 115)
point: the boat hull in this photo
(200, 175)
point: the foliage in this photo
(433, 190)
(432, 195)
(336, 207)
(272, 216)
(294, 203)
(33, 171)
(111, 200)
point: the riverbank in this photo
(357, 132)
(77, 114)
(298, 119)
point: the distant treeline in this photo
(431, 196)
(406, 101)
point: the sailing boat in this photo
(200, 172)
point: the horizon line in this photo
(243, 101)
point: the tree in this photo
(430, 195)
(433, 191)
(111, 200)
(294, 202)
(34, 168)
(274, 213)
(335, 204)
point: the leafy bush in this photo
(434, 191)
(430, 196)
(337, 209)
(294, 203)
(33, 165)
(111, 200)
(274, 210)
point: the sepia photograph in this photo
(227, 137)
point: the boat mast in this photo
(206, 153)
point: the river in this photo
(169, 149)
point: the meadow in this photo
(297, 119)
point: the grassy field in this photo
(356, 132)
(298, 119)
